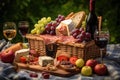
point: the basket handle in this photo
(99, 22)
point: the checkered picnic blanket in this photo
(112, 61)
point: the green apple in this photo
(80, 63)
(86, 71)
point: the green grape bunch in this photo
(39, 27)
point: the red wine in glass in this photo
(23, 28)
(101, 42)
(101, 39)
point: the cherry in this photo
(45, 75)
(33, 74)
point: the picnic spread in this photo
(61, 50)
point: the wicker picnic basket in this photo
(83, 50)
(37, 43)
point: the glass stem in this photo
(9, 42)
(101, 55)
(23, 39)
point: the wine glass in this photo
(101, 38)
(9, 31)
(23, 29)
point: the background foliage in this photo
(32, 10)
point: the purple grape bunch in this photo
(81, 35)
(51, 27)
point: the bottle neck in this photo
(92, 6)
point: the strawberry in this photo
(23, 59)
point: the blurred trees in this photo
(32, 10)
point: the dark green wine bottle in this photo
(92, 20)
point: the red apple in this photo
(101, 69)
(91, 62)
(0, 54)
(73, 60)
(7, 57)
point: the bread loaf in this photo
(14, 47)
(72, 21)
(69, 15)
(77, 18)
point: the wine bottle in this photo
(91, 20)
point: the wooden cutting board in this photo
(37, 68)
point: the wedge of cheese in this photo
(45, 60)
(65, 27)
(19, 53)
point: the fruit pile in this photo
(81, 35)
(32, 58)
(29, 59)
(87, 68)
(93, 66)
(40, 26)
(51, 27)
(46, 25)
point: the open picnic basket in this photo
(56, 46)
(85, 50)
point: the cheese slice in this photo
(21, 52)
(65, 27)
(45, 60)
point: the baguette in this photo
(14, 47)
